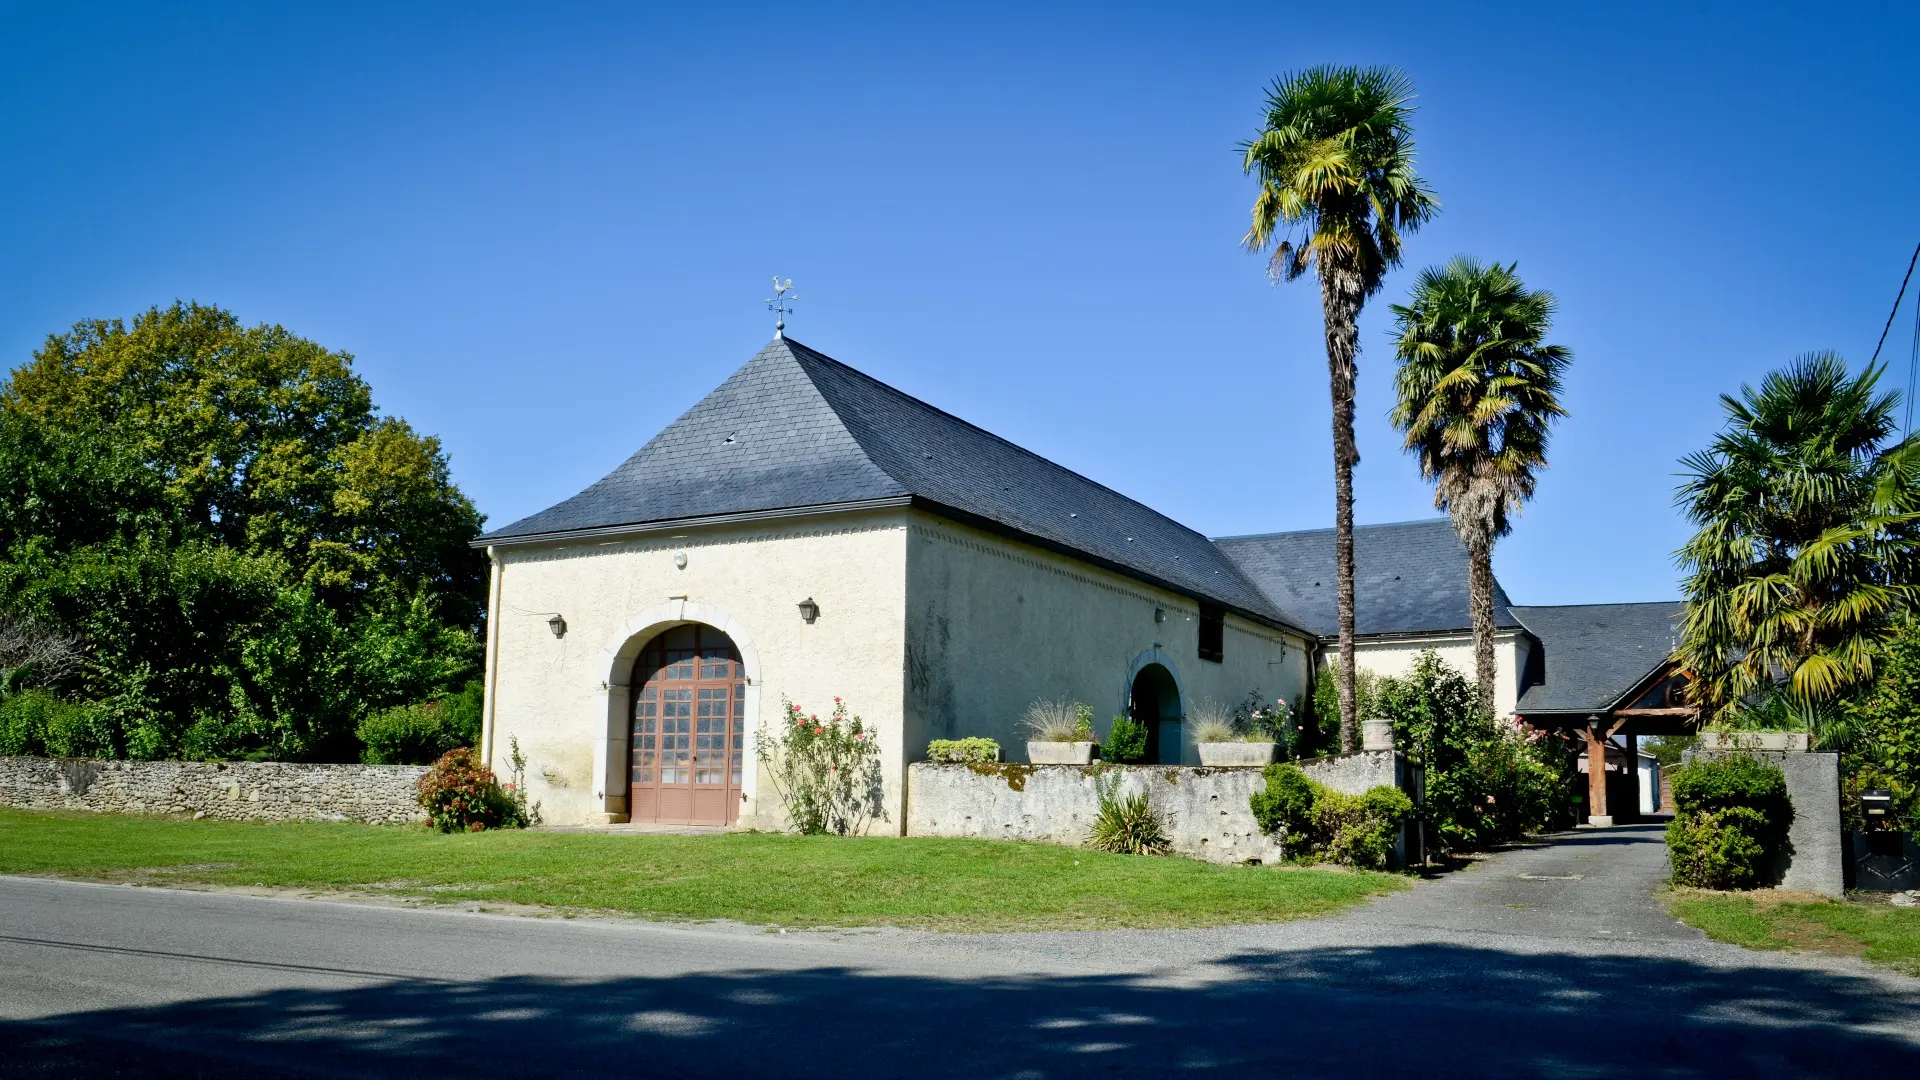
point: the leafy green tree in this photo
(262, 442)
(1805, 554)
(1334, 159)
(1478, 392)
(247, 558)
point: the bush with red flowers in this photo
(462, 795)
(827, 772)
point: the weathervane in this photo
(780, 303)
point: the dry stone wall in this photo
(233, 790)
(1208, 811)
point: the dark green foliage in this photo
(1127, 824)
(409, 735)
(1487, 783)
(1884, 751)
(1126, 742)
(1731, 816)
(963, 751)
(34, 723)
(1318, 824)
(1717, 849)
(249, 558)
(1287, 801)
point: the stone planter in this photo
(1060, 753)
(1788, 741)
(1232, 755)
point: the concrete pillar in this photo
(1632, 810)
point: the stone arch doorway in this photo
(1155, 702)
(686, 749)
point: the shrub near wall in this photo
(1730, 825)
(1319, 824)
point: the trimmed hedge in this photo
(1319, 824)
(963, 751)
(1731, 815)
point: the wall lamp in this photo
(809, 610)
(1159, 614)
(558, 625)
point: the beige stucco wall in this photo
(994, 624)
(565, 698)
(1395, 657)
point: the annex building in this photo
(806, 532)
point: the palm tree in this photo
(1809, 538)
(1478, 391)
(1334, 158)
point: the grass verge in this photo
(1883, 934)
(763, 878)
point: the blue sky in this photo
(544, 231)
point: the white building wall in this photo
(1394, 657)
(994, 624)
(565, 700)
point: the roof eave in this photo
(642, 528)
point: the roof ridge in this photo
(1614, 603)
(1329, 529)
(1009, 443)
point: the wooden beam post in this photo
(1596, 776)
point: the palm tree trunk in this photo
(1480, 606)
(1340, 298)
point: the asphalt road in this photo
(1553, 961)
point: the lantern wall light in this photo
(809, 610)
(557, 624)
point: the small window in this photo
(1213, 632)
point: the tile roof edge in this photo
(637, 528)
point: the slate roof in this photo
(1591, 654)
(1409, 577)
(795, 428)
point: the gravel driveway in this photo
(1548, 961)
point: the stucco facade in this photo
(928, 629)
(1395, 656)
(565, 699)
(994, 624)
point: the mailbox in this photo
(1876, 803)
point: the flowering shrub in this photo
(826, 772)
(461, 795)
(1488, 782)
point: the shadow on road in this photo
(1426, 1010)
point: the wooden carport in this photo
(1606, 671)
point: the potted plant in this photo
(1240, 738)
(1059, 733)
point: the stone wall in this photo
(1816, 848)
(234, 790)
(1208, 811)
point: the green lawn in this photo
(1881, 933)
(965, 885)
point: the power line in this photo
(1896, 304)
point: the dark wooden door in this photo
(689, 729)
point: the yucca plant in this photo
(1127, 824)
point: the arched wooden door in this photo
(689, 729)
